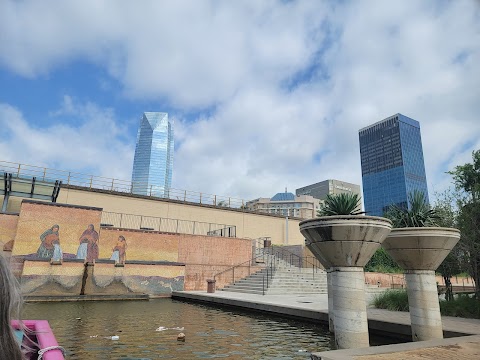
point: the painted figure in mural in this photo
(88, 248)
(119, 251)
(50, 246)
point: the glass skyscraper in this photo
(392, 163)
(153, 161)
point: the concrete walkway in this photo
(315, 307)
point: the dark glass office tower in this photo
(392, 163)
(153, 161)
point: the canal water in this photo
(145, 331)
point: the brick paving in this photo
(461, 351)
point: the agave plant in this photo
(420, 214)
(341, 204)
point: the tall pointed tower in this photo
(153, 161)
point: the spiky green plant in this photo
(340, 204)
(420, 214)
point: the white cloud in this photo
(96, 145)
(362, 61)
(400, 57)
(391, 60)
(191, 53)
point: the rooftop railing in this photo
(111, 184)
(44, 174)
(140, 222)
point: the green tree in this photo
(383, 263)
(445, 208)
(222, 203)
(469, 224)
(450, 267)
(467, 178)
(467, 181)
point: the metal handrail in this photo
(134, 221)
(111, 184)
(71, 178)
(301, 259)
(285, 254)
(270, 269)
(238, 265)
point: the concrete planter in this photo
(347, 240)
(420, 248)
(344, 245)
(420, 251)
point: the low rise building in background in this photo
(321, 189)
(287, 204)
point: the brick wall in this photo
(8, 229)
(37, 217)
(156, 263)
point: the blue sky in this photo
(264, 94)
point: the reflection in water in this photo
(210, 332)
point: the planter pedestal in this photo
(344, 245)
(424, 306)
(349, 307)
(331, 327)
(420, 251)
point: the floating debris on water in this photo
(162, 328)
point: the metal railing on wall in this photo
(140, 222)
(110, 184)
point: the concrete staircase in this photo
(285, 279)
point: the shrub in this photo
(462, 306)
(394, 300)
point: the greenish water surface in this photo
(85, 329)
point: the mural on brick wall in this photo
(50, 247)
(123, 246)
(88, 247)
(50, 244)
(48, 231)
(126, 245)
(57, 232)
(136, 278)
(41, 278)
(120, 250)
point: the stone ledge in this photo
(380, 322)
(56, 298)
(28, 201)
(436, 349)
